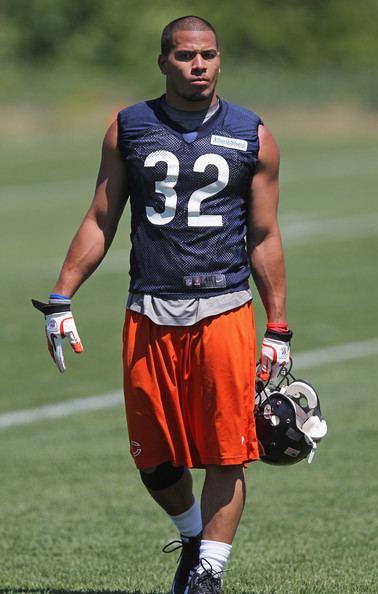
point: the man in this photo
(202, 174)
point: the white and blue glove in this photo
(59, 324)
(275, 355)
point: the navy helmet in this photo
(289, 422)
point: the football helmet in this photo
(289, 422)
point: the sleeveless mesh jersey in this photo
(189, 194)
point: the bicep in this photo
(111, 187)
(264, 191)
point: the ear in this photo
(162, 61)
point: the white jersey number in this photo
(166, 187)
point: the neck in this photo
(183, 104)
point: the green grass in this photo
(73, 515)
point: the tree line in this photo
(115, 34)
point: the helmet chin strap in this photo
(312, 443)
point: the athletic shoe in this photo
(187, 561)
(205, 580)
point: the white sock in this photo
(214, 555)
(190, 522)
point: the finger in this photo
(75, 342)
(77, 347)
(263, 375)
(69, 330)
(50, 347)
(57, 343)
(285, 367)
(280, 369)
(265, 364)
(268, 353)
(275, 370)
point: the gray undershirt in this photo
(186, 312)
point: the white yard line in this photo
(61, 409)
(325, 356)
(296, 231)
(335, 354)
(302, 230)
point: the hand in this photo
(275, 357)
(59, 324)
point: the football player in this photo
(201, 175)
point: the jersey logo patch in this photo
(206, 281)
(234, 143)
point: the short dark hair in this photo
(185, 23)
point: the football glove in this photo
(59, 323)
(275, 357)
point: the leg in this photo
(151, 359)
(176, 498)
(221, 413)
(223, 498)
(172, 489)
(222, 502)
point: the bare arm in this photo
(264, 238)
(99, 225)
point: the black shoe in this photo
(187, 562)
(206, 581)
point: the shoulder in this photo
(134, 120)
(242, 123)
(110, 141)
(237, 113)
(239, 110)
(143, 111)
(269, 154)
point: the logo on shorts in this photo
(136, 448)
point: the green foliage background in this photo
(97, 33)
(279, 51)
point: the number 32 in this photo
(166, 187)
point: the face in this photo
(191, 68)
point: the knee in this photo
(162, 476)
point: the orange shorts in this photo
(189, 390)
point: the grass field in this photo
(73, 515)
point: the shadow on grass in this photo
(60, 591)
(57, 591)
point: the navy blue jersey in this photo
(189, 197)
